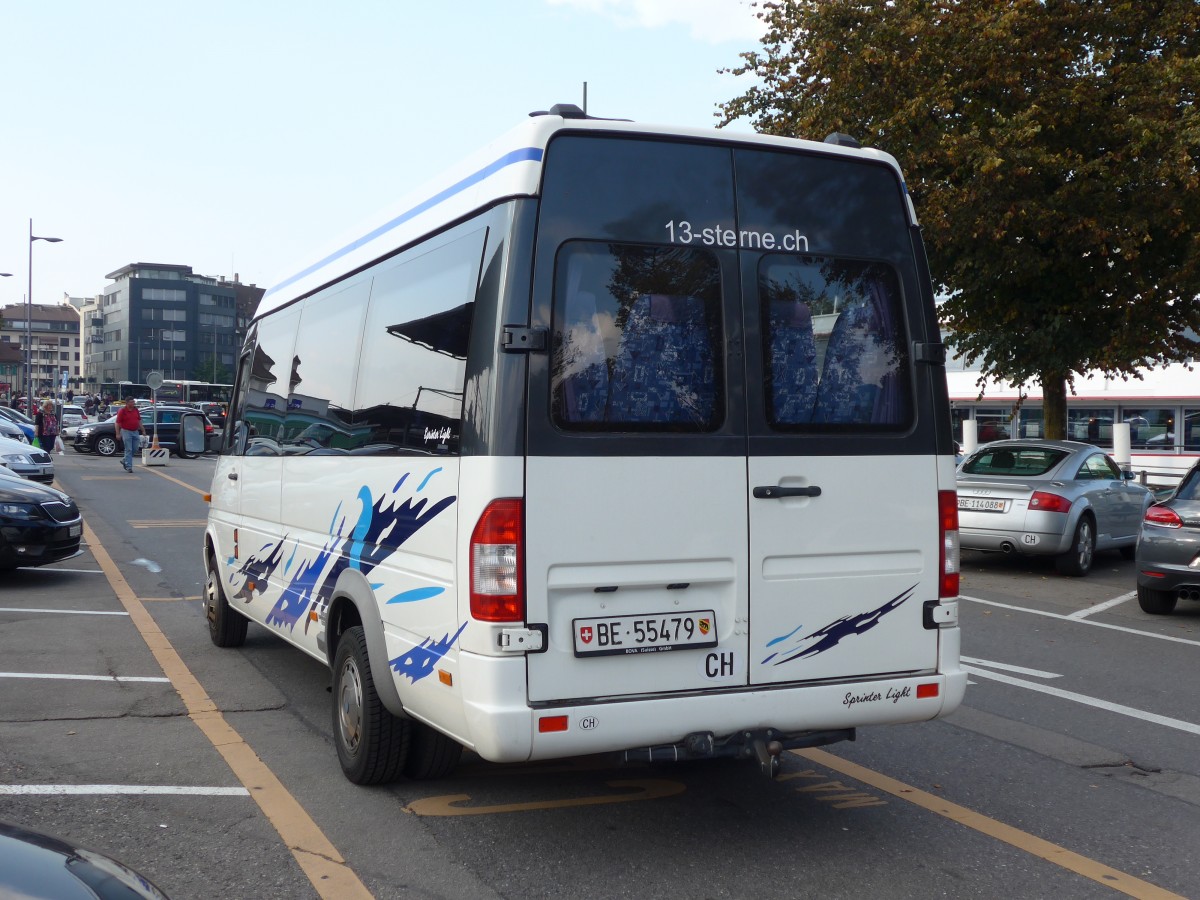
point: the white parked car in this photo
(26, 461)
(72, 416)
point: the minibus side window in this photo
(267, 384)
(320, 385)
(833, 344)
(637, 339)
(412, 368)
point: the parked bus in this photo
(172, 391)
(1162, 408)
(615, 438)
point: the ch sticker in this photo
(719, 665)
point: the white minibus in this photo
(615, 438)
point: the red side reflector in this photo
(927, 690)
(552, 723)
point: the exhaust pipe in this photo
(1189, 594)
(1007, 547)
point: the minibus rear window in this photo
(833, 344)
(637, 339)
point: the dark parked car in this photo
(101, 437)
(36, 866)
(1168, 549)
(38, 524)
(214, 411)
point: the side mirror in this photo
(193, 434)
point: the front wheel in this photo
(1077, 561)
(372, 744)
(106, 445)
(1156, 603)
(226, 626)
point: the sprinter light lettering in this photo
(681, 232)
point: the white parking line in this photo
(113, 678)
(1154, 718)
(127, 789)
(1050, 615)
(1036, 673)
(1101, 607)
(48, 569)
(63, 612)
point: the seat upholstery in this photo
(791, 363)
(664, 372)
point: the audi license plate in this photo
(75, 530)
(982, 504)
(620, 635)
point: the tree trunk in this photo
(1054, 405)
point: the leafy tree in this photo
(1051, 148)
(212, 371)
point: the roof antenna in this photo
(585, 98)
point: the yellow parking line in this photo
(318, 858)
(161, 474)
(168, 523)
(1052, 853)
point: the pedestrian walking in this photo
(129, 430)
(45, 422)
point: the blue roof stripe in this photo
(525, 154)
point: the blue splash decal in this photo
(782, 638)
(425, 481)
(257, 570)
(420, 660)
(832, 634)
(382, 526)
(417, 594)
(291, 559)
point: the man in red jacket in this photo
(129, 427)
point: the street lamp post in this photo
(29, 317)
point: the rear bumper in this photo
(501, 730)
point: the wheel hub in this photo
(350, 706)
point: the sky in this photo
(240, 136)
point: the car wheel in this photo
(1157, 603)
(226, 626)
(105, 445)
(372, 744)
(430, 753)
(1077, 561)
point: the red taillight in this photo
(948, 526)
(497, 563)
(1164, 516)
(208, 429)
(1044, 501)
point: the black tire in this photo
(106, 445)
(1129, 552)
(226, 626)
(1077, 561)
(430, 753)
(1156, 603)
(372, 744)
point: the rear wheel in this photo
(430, 753)
(226, 626)
(1077, 561)
(1157, 603)
(372, 744)
(106, 445)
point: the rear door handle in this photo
(774, 491)
(232, 476)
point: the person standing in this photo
(129, 428)
(46, 425)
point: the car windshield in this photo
(1019, 462)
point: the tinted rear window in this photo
(1016, 462)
